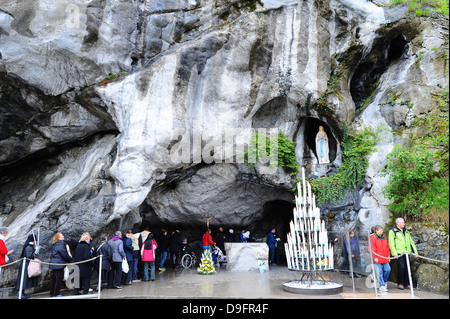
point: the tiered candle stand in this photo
(308, 249)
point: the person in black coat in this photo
(163, 248)
(60, 255)
(128, 249)
(220, 239)
(83, 252)
(175, 244)
(104, 249)
(28, 251)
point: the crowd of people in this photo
(134, 251)
(137, 252)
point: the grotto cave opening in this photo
(276, 214)
(311, 129)
(233, 199)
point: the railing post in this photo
(409, 274)
(373, 267)
(99, 289)
(21, 277)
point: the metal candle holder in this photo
(307, 247)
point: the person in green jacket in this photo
(400, 242)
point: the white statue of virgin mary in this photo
(322, 146)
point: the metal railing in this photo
(361, 265)
(23, 273)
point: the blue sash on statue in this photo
(321, 148)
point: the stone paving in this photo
(187, 283)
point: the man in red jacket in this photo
(207, 240)
(3, 250)
(380, 249)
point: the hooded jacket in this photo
(401, 241)
(207, 240)
(380, 246)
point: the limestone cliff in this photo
(95, 96)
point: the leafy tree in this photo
(279, 151)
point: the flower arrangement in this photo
(206, 264)
(261, 265)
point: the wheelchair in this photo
(188, 259)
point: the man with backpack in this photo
(401, 245)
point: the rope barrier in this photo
(416, 255)
(46, 263)
(437, 260)
(68, 264)
(11, 263)
(55, 264)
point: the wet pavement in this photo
(188, 284)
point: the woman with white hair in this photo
(83, 252)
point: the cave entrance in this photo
(276, 214)
(311, 129)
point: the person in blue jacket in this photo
(128, 248)
(244, 236)
(60, 255)
(355, 253)
(272, 243)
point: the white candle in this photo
(292, 249)
(307, 259)
(313, 258)
(304, 185)
(330, 257)
(309, 194)
(309, 234)
(288, 258)
(291, 227)
(320, 257)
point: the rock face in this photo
(117, 112)
(432, 242)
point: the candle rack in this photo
(307, 248)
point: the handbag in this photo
(34, 268)
(66, 273)
(125, 267)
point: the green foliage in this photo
(332, 88)
(425, 7)
(418, 182)
(408, 168)
(356, 146)
(282, 152)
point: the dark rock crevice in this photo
(391, 45)
(32, 121)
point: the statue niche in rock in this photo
(322, 148)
